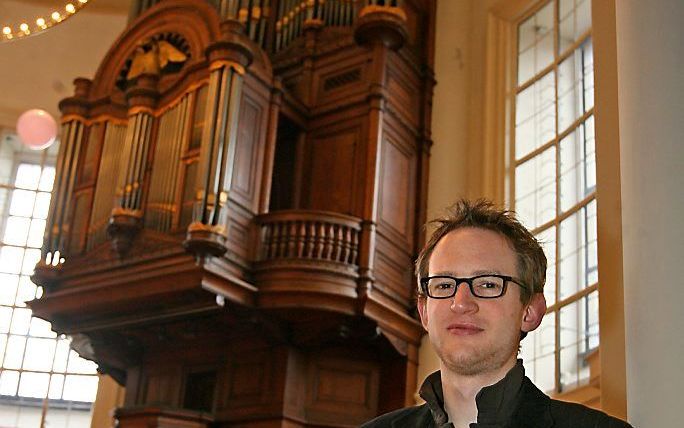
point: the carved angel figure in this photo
(153, 60)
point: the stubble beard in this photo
(487, 358)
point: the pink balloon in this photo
(36, 129)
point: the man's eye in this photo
(444, 285)
(488, 285)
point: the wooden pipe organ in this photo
(239, 198)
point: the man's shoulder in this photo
(563, 414)
(406, 417)
(578, 415)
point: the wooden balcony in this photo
(308, 258)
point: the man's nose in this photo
(463, 300)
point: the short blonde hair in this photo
(483, 214)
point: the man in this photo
(481, 277)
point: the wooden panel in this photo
(393, 271)
(332, 170)
(246, 379)
(248, 152)
(162, 387)
(396, 210)
(402, 99)
(341, 391)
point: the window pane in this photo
(3, 344)
(575, 85)
(22, 203)
(578, 165)
(28, 176)
(9, 380)
(39, 354)
(535, 43)
(35, 236)
(16, 231)
(8, 289)
(61, 356)
(47, 179)
(14, 354)
(41, 328)
(570, 97)
(34, 384)
(538, 350)
(31, 258)
(575, 20)
(80, 388)
(547, 239)
(535, 189)
(578, 264)
(574, 343)
(535, 116)
(42, 205)
(10, 259)
(21, 321)
(27, 291)
(56, 385)
(80, 365)
(5, 319)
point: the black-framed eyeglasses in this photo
(489, 286)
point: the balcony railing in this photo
(309, 235)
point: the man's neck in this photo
(460, 392)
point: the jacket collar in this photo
(513, 398)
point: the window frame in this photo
(492, 180)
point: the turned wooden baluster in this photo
(301, 239)
(329, 236)
(337, 244)
(292, 239)
(311, 241)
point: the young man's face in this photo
(473, 335)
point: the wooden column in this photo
(126, 218)
(228, 58)
(381, 28)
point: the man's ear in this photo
(422, 310)
(533, 313)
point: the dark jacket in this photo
(513, 402)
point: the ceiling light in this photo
(16, 32)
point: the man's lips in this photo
(464, 329)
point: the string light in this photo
(14, 32)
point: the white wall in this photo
(650, 62)
(37, 71)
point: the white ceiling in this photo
(38, 71)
